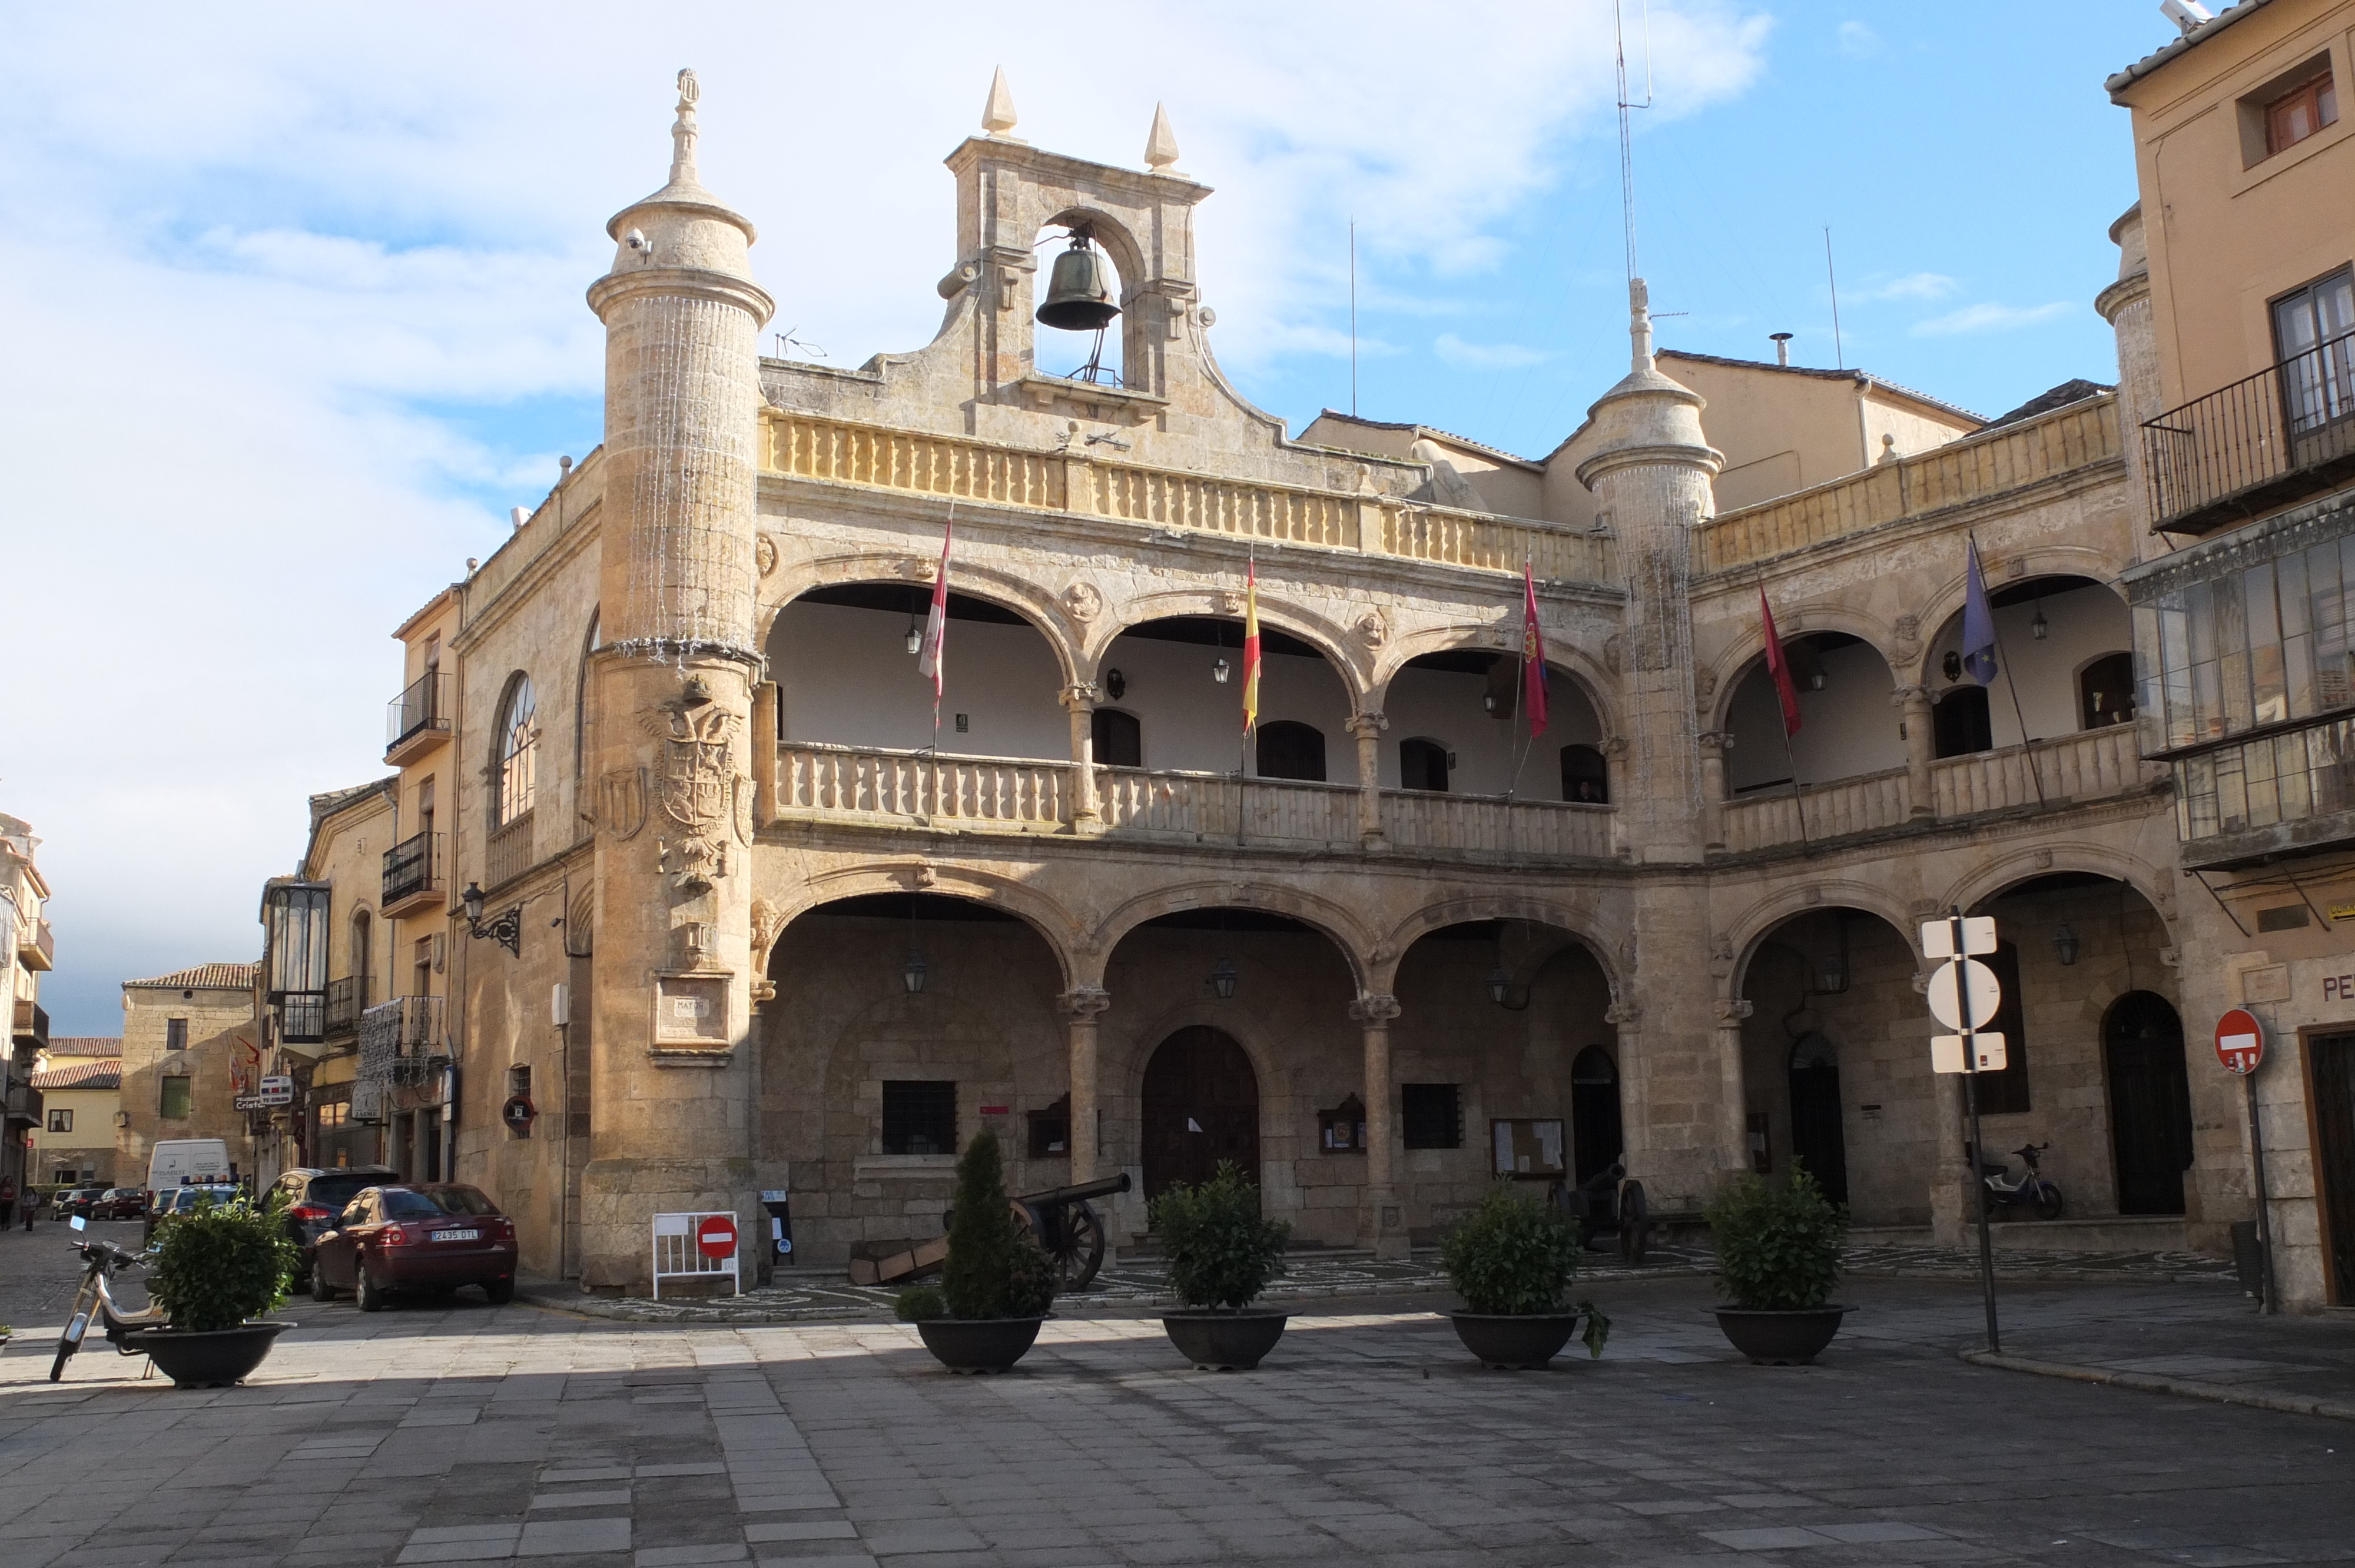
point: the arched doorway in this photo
(1201, 1106)
(2150, 1103)
(1596, 1136)
(1817, 1141)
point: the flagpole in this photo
(2003, 663)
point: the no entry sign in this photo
(715, 1236)
(2240, 1041)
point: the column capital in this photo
(1910, 697)
(1731, 1010)
(1624, 1014)
(1374, 1007)
(1716, 742)
(1083, 1003)
(1367, 726)
(1080, 699)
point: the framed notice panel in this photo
(1527, 1146)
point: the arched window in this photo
(580, 701)
(360, 959)
(1290, 749)
(1961, 722)
(1584, 777)
(518, 751)
(1119, 738)
(2106, 692)
(1423, 765)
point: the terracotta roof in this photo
(1863, 377)
(2190, 41)
(82, 1076)
(85, 1046)
(1434, 430)
(204, 977)
(2060, 396)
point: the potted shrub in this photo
(216, 1267)
(1778, 1257)
(995, 1289)
(1512, 1259)
(1221, 1254)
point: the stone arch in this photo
(1331, 921)
(1054, 925)
(1328, 638)
(1571, 659)
(1582, 925)
(1111, 232)
(2039, 561)
(1733, 666)
(1990, 880)
(1748, 931)
(971, 579)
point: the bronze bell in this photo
(1079, 291)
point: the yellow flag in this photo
(1250, 646)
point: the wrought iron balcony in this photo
(401, 1039)
(412, 872)
(345, 1000)
(2263, 442)
(417, 720)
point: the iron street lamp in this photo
(506, 930)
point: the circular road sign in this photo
(1985, 994)
(715, 1235)
(2240, 1041)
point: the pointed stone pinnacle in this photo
(1161, 145)
(683, 131)
(997, 115)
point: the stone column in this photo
(1382, 1224)
(1714, 744)
(1921, 745)
(673, 1124)
(1086, 817)
(1732, 1088)
(1368, 728)
(1081, 1007)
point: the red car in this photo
(432, 1237)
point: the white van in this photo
(188, 1162)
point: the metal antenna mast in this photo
(1627, 146)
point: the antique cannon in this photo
(1068, 1229)
(1608, 1205)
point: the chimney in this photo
(1782, 348)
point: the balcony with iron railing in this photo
(414, 875)
(346, 1000)
(31, 1025)
(2266, 441)
(302, 1017)
(417, 720)
(37, 949)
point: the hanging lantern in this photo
(1222, 980)
(2040, 627)
(1219, 672)
(913, 972)
(1079, 291)
(915, 636)
(1501, 985)
(2065, 945)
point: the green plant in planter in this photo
(1514, 1256)
(995, 1268)
(216, 1267)
(1220, 1253)
(1778, 1242)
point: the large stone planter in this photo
(979, 1344)
(1514, 1342)
(1224, 1341)
(1790, 1339)
(212, 1358)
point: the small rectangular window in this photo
(1433, 1115)
(175, 1100)
(61, 1121)
(2281, 917)
(2300, 112)
(1051, 1130)
(175, 1034)
(920, 1116)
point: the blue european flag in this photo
(1978, 626)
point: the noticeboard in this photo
(1527, 1146)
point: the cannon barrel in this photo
(1081, 1193)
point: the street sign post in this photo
(2241, 1046)
(1964, 996)
(716, 1236)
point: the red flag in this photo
(936, 627)
(1533, 659)
(1250, 645)
(1779, 666)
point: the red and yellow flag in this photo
(1778, 666)
(1533, 656)
(1250, 646)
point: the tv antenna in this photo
(1627, 146)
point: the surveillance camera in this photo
(2185, 13)
(637, 240)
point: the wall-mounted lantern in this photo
(1222, 980)
(506, 929)
(2065, 945)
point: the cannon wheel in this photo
(1082, 1249)
(1635, 1223)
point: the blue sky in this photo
(296, 297)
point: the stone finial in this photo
(997, 115)
(683, 131)
(1161, 144)
(1639, 322)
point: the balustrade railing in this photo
(1493, 825)
(508, 853)
(1832, 810)
(916, 786)
(2089, 766)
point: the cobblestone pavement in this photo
(464, 1433)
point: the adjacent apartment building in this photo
(191, 1046)
(80, 1078)
(27, 951)
(2236, 317)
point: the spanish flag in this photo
(1250, 646)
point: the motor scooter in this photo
(2029, 1191)
(94, 1297)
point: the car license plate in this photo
(457, 1236)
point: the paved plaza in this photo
(464, 1433)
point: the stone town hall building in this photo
(773, 930)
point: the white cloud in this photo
(1989, 318)
(1912, 286)
(1857, 40)
(1466, 355)
(283, 255)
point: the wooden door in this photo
(2332, 1092)
(1818, 1138)
(2150, 1103)
(1201, 1106)
(1597, 1139)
